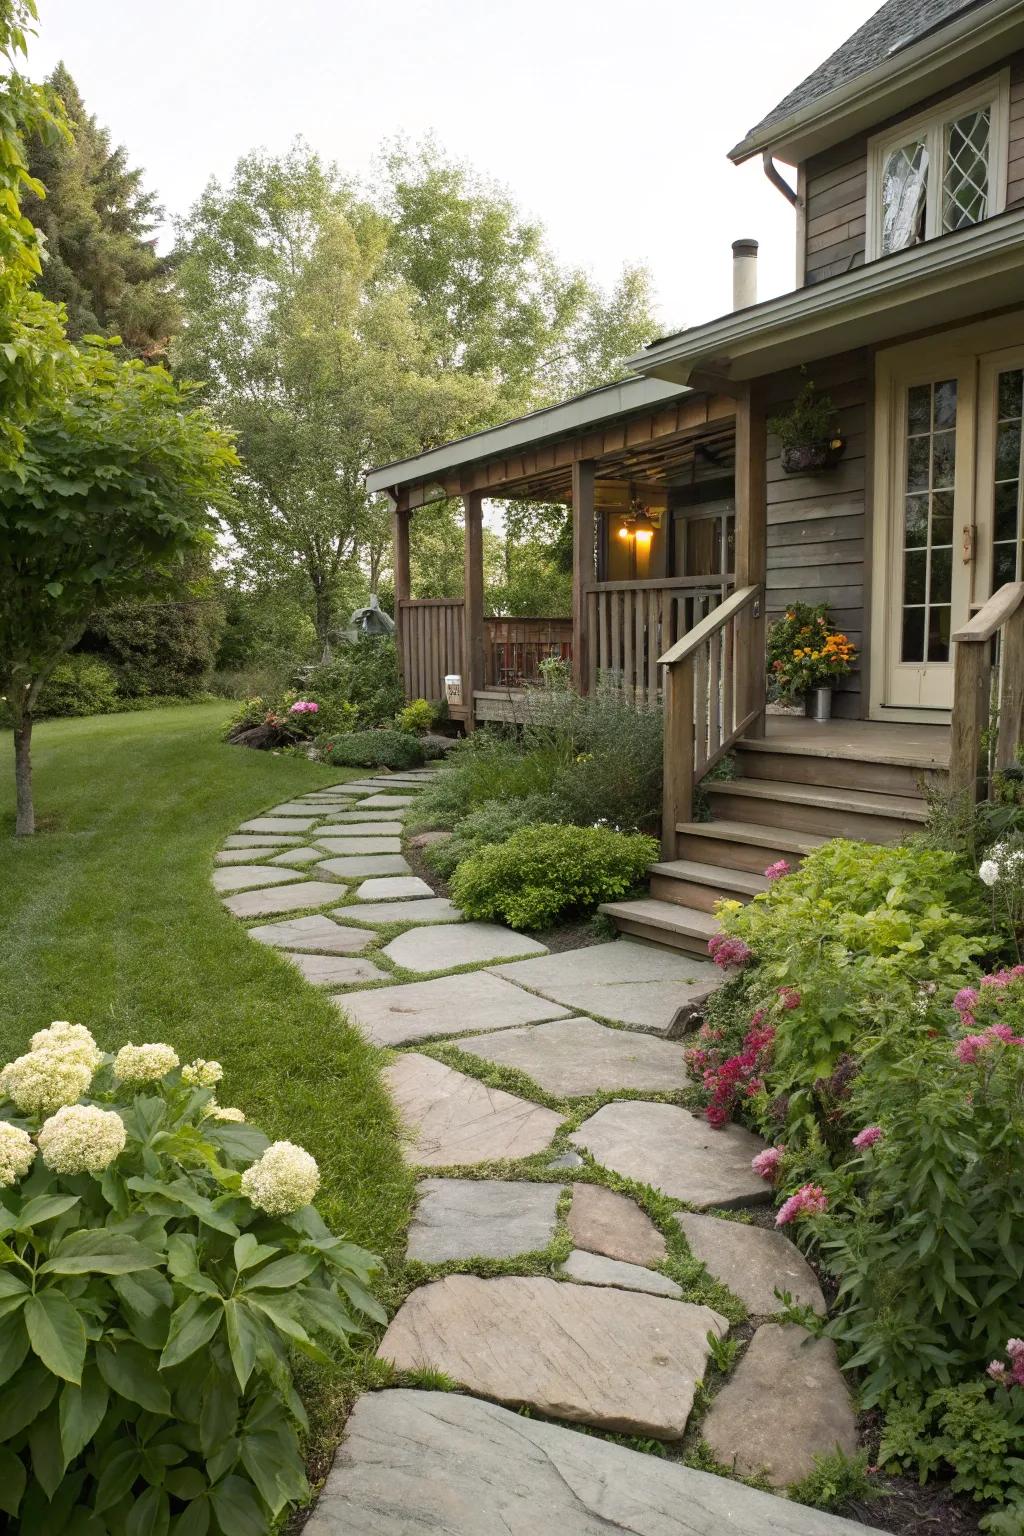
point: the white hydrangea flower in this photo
(144, 1063)
(16, 1153)
(81, 1139)
(202, 1074)
(71, 1040)
(988, 873)
(282, 1180)
(42, 1081)
(227, 1112)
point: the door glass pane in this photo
(1007, 520)
(904, 196)
(928, 521)
(965, 173)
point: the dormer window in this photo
(940, 171)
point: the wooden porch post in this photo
(403, 582)
(582, 567)
(473, 589)
(972, 681)
(751, 552)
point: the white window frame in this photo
(993, 93)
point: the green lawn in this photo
(108, 918)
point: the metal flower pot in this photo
(821, 704)
(811, 458)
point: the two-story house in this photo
(903, 157)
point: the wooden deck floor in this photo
(880, 741)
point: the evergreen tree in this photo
(98, 220)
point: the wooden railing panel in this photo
(1000, 619)
(431, 632)
(633, 622)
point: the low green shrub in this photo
(417, 716)
(487, 766)
(975, 1429)
(152, 1295)
(492, 822)
(363, 674)
(374, 749)
(78, 685)
(542, 872)
(835, 1480)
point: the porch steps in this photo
(689, 883)
(664, 922)
(821, 809)
(743, 845)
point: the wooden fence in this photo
(515, 648)
(431, 631)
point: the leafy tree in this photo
(98, 222)
(163, 645)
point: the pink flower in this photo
(304, 707)
(777, 870)
(810, 1199)
(766, 1163)
(790, 997)
(726, 952)
(1015, 1375)
(966, 999)
(997, 1370)
(1015, 1349)
(868, 1136)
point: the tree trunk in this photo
(323, 619)
(25, 816)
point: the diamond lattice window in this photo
(966, 173)
(904, 196)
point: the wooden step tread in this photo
(866, 802)
(666, 916)
(737, 880)
(934, 759)
(752, 832)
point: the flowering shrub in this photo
(158, 1263)
(304, 707)
(804, 651)
(809, 1200)
(727, 1079)
(1003, 873)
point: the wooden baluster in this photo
(677, 795)
(638, 645)
(700, 687)
(598, 641)
(654, 645)
(728, 678)
(1011, 691)
(624, 665)
(714, 695)
(607, 601)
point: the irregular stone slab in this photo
(481, 1218)
(335, 970)
(286, 898)
(396, 887)
(297, 856)
(278, 824)
(417, 1462)
(245, 876)
(674, 1151)
(602, 1221)
(593, 1269)
(785, 1403)
(451, 1119)
(360, 815)
(312, 933)
(364, 843)
(239, 855)
(630, 983)
(253, 840)
(752, 1262)
(468, 944)
(437, 910)
(290, 808)
(368, 864)
(364, 829)
(386, 802)
(612, 1358)
(419, 1010)
(574, 1057)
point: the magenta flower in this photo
(777, 870)
(810, 1200)
(789, 997)
(766, 1163)
(726, 952)
(304, 707)
(1014, 1376)
(868, 1136)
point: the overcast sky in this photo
(608, 120)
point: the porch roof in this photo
(953, 278)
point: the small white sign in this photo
(453, 688)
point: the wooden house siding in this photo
(817, 524)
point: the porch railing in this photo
(631, 624)
(431, 631)
(1001, 620)
(515, 648)
(709, 702)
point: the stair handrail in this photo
(1001, 617)
(709, 703)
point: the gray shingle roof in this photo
(893, 27)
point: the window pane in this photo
(913, 634)
(945, 404)
(942, 575)
(1006, 510)
(916, 522)
(965, 173)
(938, 634)
(1007, 520)
(1011, 394)
(942, 517)
(1008, 450)
(928, 522)
(1004, 565)
(943, 458)
(919, 409)
(917, 463)
(904, 196)
(915, 575)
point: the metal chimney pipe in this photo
(744, 273)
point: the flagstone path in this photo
(593, 1317)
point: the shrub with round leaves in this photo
(159, 1264)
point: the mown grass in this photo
(108, 918)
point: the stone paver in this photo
(785, 1403)
(345, 817)
(566, 1160)
(603, 1221)
(313, 934)
(289, 809)
(286, 898)
(481, 1218)
(575, 1057)
(254, 840)
(365, 829)
(420, 1010)
(674, 1151)
(594, 1269)
(385, 802)
(451, 1119)
(239, 855)
(362, 843)
(246, 876)
(417, 1462)
(278, 824)
(438, 909)
(335, 970)
(367, 864)
(630, 983)
(393, 888)
(298, 856)
(617, 1359)
(752, 1262)
(423, 949)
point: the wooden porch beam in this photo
(473, 594)
(403, 580)
(583, 528)
(751, 552)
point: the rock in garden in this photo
(417, 1462)
(421, 1010)
(629, 983)
(450, 1119)
(785, 1403)
(752, 1262)
(481, 1218)
(594, 1269)
(422, 949)
(612, 1358)
(603, 1221)
(286, 898)
(676, 1152)
(574, 1057)
(312, 933)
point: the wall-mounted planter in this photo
(812, 458)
